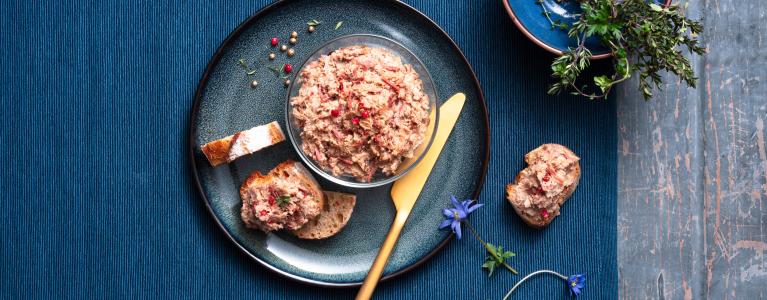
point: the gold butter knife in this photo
(405, 190)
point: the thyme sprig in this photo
(644, 38)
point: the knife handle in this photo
(366, 291)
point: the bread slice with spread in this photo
(286, 198)
(538, 191)
(242, 143)
(289, 198)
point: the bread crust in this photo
(532, 158)
(217, 151)
(335, 215)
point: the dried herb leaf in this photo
(275, 70)
(338, 25)
(243, 63)
(313, 23)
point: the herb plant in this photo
(643, 37)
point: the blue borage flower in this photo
(576, 283)
(454, 216)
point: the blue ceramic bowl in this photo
(529, 18)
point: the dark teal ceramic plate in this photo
(225, 103)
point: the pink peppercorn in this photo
(288, 68)
(275, 41)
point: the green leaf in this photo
(251, 72)
(603, 82)
(283, 200)
(656, 7)
(313, 22)
(338, 25)
(490, 265)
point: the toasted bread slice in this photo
(334, 216)
(539, 190)
(289, 177)
(242, 143)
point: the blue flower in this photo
(576, 283)
(458, 213)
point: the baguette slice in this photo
(288, 172)
(334, 216)
(536, 193)
(242, 143)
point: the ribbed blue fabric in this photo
(97, 200)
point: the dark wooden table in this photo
(692, 169)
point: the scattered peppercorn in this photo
(294, 34)
(545, 213)
(283, 48)
(275, 41)
(254, 84)
(287, 82)
(311, 28)
(355, 120)
(293, 41)
(272, 56)
(365, 114)
(287, 68)
(335, 112)
(291, 52)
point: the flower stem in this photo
(563, 277)
(492, 253)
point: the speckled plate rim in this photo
(541, 43)
(193, 128)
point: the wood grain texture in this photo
(692, 169)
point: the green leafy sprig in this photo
(497, 256)
(644, 38)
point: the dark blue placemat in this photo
(96, 195)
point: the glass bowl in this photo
(379, 178)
